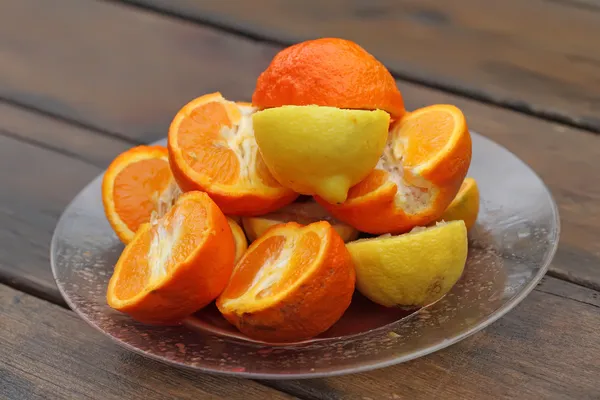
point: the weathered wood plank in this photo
(503, 52)
(130, 79)
(37, 184)
(54, 134)
(47, 352)
(546, 348)
(146, 66)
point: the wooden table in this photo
(83, 80)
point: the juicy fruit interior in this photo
(413, 193)
(142, 189)
(273, 266)
(166, 243)
(217, 140)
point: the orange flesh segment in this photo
(200, 139)
(163, 247)
(216, 139)
(419, 139)
(275, 265)
(372, 182)
(137, 189)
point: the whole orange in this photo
(328, 72)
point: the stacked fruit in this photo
(326, 121)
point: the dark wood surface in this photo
(537, 56)
(71, 99)
(48, 352)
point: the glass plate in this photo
(509, 251)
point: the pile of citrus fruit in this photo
(335, 185)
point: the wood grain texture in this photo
(546, 348)
(536, 56)
(146, 66)
(43, 164)
(117, 69)
(49, 353)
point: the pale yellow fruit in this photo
(241, 243)
(321, 151)
(411, 270)
(465, 205)
(303, 213)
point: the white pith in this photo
(166, 234)
(164, 201)
(411, 197)
(240, 139)
(271, 272)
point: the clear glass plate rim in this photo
(493, 317)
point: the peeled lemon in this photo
(316, 150)
(414, 269)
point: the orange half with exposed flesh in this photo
(175, 265)
(293, 283)
(137, 185)
(212, 148)
(425, 161)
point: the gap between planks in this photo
(444, 86)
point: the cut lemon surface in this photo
(137, 185)
(411, 270)
(212, 148)
(302, 212)
(425, 160)
(293, 283)
(465, 205)
(176, 265)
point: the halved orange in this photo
(421, 170)
(293, 283)
(302, 212)
(175, 265)
(212, 148)
(137, 184)
(465, 205)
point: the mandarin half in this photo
(176, 265)
(292, 284)
(212, 148)
(420, 172)
(137, 185)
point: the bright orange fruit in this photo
(421, 170)
(137, 184)
(212, 148)
(293, 283)
(175, 265)
(328, 72)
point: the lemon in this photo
(413, 269)
(465, 205)
(316, 150)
